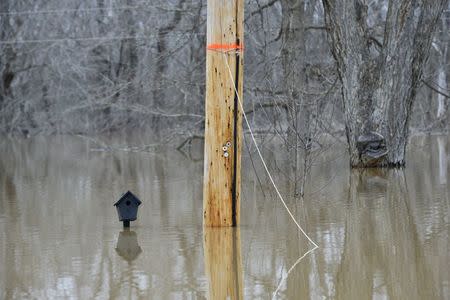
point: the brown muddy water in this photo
(382, 234)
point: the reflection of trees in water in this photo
(371, 226)
(381, 252)
(442, 160)
(379, 232)
(8, 208)
(65, 216)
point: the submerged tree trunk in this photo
(380, 77)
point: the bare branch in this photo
(435, 89)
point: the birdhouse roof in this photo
(130, 196)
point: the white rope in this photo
(271, 180)
(290, 270)
(261, 157)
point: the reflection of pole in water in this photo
(222, 252)
(127, 245)
(442, 160)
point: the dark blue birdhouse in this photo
(127, 208)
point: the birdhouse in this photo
(127, 208)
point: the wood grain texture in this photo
(223, 265)
(222, 125)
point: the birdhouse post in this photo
(223, 115)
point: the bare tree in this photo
(380, 77)
(88, 68)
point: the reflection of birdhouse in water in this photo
(127, 245)
(127, 208)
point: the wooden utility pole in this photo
(223, 122)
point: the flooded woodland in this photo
(382, 233)
(277, 149)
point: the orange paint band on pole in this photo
(224, 47)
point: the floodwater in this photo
(382, 234)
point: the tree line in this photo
(369, 70)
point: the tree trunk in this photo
(292, 57)
(442, 84)
(380, 78)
